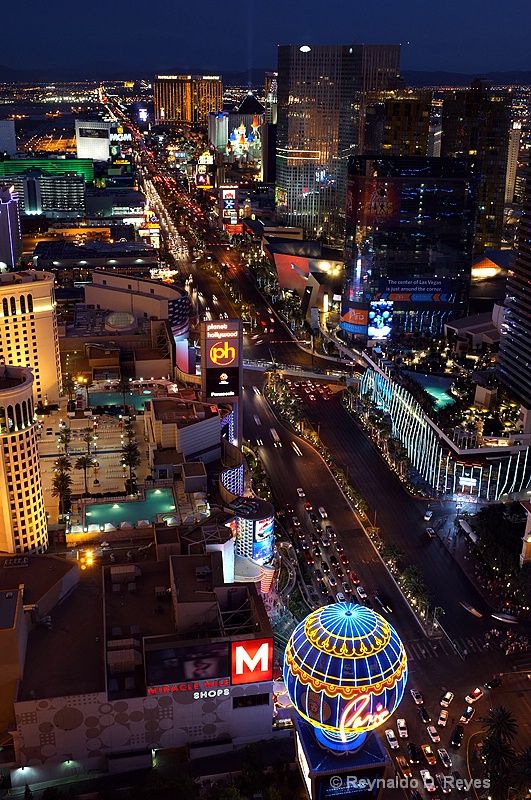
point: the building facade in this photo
(23, 525)
(54, 196)
(476, 122)
(513, 153)
(514, 360)
(321, 104)
(93, 139)
(397, 124)
(28, 330)
(409, 244)
(8, 141)
(10, 236)
(187, 98)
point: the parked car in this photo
(431, 533)
(403, 766)
(443, 783)
(427, 780)
(428, 753)
(457, 736)
(391, 738)
(402, 728)
(362, 594)
(433, 733)
(301, 492)
(322, 512)
(443, 718)
(467, 715)
(428, 515)
(474, 696)
(424, 715)
(445, 758)
(414, 753)
(446, 699)
(417, 696)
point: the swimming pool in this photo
(436, 386)
(157, 501)
(116, 399)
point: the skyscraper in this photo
(476, 122)
(409, 241)
(8, 141)
(321, 103)
(512, 160)
(397, 124)
(270, 92)
(187, 98)
(93, 139)
(28, 330)
(23, 526)
(10, 238)
(514, 361)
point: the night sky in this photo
(470, 36)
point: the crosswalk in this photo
(425, 649)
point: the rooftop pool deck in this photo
(157, 501)
(135, 399)
(437, 386)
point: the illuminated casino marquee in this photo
(345, 670)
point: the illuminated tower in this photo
(23, 526)
(322, 92)
(10, 238)
(345, 671)
(28, 329)
(187, 98)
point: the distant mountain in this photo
(426, 78)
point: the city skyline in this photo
(447, 39)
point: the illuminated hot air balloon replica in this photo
(345, 670)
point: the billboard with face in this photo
(263, 540)
(187, 663)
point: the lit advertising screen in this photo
(380, 319)
(355, 319)
(263, 540)
(251, 661)
(187, 662)
(203, 177)
(229, 206)
(222, 383)
(221, 359)
(93, 133)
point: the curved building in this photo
(23, 526)
(28, 329)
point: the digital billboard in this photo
(187, 663)
(229, 205)
(421, 290)
(221, 359)
(263, 540)
(380, 319)
(355, 319)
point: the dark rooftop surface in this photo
(68, 659)
(8, 607)
(37, 573)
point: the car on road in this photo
(445, 757)
(414, 753)
(443, 783)
(428, 754)
(325, 541)
(330, 531)
(424, 715)
(467, 715)
(340, 597)
(427, 780)
(403, 766)
(417, 696)
(334, 561)
(493, 682)
(457, 736)
(339, 547)
(433, 733)
(257, 419)
(346, 588)
(391, 738)
(362, 594)
(332, 580)
(443, 718)
(323, 588)
(474, 696)
(316, 552)
(296, 522)
(402, 728)
(431, 533)
(314, 519)
(308, 506)
(322, 512)
(428, 515)
(325, 566)
(446, 699)
(384, 603)
(301, 492)
(308, 560)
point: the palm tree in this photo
(522, 770)
(499, 760)
(87, 436)
(500, 724)
(131, 456)
(63, 464)
(69, 386)
(65, 437)
(62, 488)
(85, 463)
(124, 388)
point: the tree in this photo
(65, 437)
(392, 553)
(85, 463)
(87, 436)
(131, 456)
(499, 760)
(522, 771)
(63, 464)
(62, 488)
(500, 724)
(69, 386)
(124, 388)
